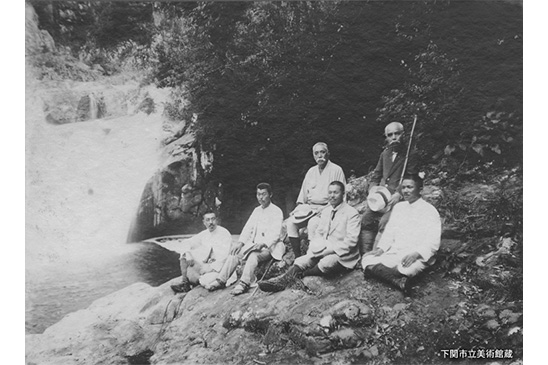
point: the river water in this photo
(83, 184)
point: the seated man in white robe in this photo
(410, 240)
(207, 254)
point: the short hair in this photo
(339, 184)
(415, 177)
(265, 186)
(323, 144)
(209, 211)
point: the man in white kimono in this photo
(334, 248)
(208, 252)
(410, 240)
(258, 242)
(313, 194)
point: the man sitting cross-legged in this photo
(208, 252)
(259, 242)
(410, 240)
(334, 247)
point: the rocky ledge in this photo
(344, 319)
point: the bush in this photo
(61, 65)
(478, 210)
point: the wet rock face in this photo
(175, 199)
(36, 40)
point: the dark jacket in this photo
(388, 173)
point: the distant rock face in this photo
(91, 107)
(36, 40)
(69, 102)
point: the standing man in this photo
(313, 196)
(334, 247)
(259, 242)
(387, 173)
(208, 252)
(410, 240)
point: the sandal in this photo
(217, 284)
(240, 288)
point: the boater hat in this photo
(378, 198)
(302, 213)
(318, 245)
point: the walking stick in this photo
(408, 149)
(264, 274)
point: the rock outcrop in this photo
(340, 317)
(36, 39)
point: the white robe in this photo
(264, 226)
(412, 228)
(315, 184)
(217, 243)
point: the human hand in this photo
(375, 252)
(396, 197)
(259, 246)
(236, 248)
(410, 259)
(190, 261)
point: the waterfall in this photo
(84, 182)
(93, 107)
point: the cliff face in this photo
(36, 40)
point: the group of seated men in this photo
(393, 244)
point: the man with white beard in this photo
(313, 196)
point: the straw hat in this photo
(378, 198)
(302, 213)
(318, 245)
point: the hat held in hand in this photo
(302, 213)
(318, 245)
(378, 198)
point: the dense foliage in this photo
(265, 81)
(260, 82)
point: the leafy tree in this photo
(457, 87)
(101, 24)
(260, 83)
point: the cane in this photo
(408, 149)
(264, 274)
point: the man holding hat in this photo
(383, 188)
(313, 196)
(334, 248)
(258, 242)
(410, 240)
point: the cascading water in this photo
(93, 107)
(83, 185)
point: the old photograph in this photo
(266, 182)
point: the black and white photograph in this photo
(268, 182)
